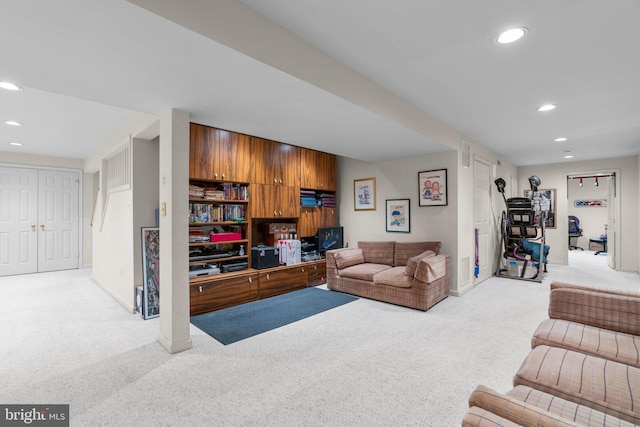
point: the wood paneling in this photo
(281, 280)
(274, 201)
(318, 170)
(222, 292)
(219, 155)
(313, 218)
(274, 163)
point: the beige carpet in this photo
(363, 364)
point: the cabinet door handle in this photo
(200, 288)
(275, 213)
(250, 280)
(215, 175)
(280, 181)
(223, 176)
(275, 180)
(280, 213)
(303, 269)
(267, 276)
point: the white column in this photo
(174, 234)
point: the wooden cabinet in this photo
(313, 218)
(274, 173)
(275, 201)
(209, 294)
(317, 273)
(219, 155)
(317, 170)
(274, 163)
(280, 280)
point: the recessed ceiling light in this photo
(9, 86)
(561, 139)
(568, 156)
(546, 107)
(17, 144)
(13, 123)
(511, 35)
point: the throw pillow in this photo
(348, 258)
(412, 263)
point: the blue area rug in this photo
(243, 321)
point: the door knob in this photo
(41, 226)
(33, 227)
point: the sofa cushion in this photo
(431, 268)
(378, 252)
(348, 258)
(412, 263)
(393, 277)
(406, 250)
(364, 271)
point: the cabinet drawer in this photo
(220, 293)
(317, 273)
(281, 280)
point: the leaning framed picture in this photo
(398, 215)
(432, 188)
(364, 194)
(543, 201)
(151, 271)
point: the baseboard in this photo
(127, 305)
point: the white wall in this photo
(555, 176)
(115, 252)
(146, 190)
(398, 179)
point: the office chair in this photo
(574, 232)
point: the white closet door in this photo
(58, 220)
(18, 220)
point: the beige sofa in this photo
(583, 370)
(411, 274)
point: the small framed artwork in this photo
(364, 194)
(151, 271)
(398, 215)
(432, 187)
(544, 201)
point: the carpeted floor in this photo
(365, 363)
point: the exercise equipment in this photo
(522, 241)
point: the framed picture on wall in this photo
(364, 194)
(432, 188)
(398, 215)
(544, 201)
(151, 271)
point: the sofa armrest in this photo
(608, 309)
(432, 268)
(514, 410)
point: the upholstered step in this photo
(598, 342)
(601, 384)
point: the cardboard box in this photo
(278, 228)
(514, 268)
(596, 245)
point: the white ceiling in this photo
(372, 80)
